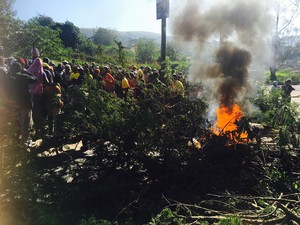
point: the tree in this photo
(6, 8)
(43, 37)
(147, 51)
(70, 35)
(88, 47)
(172, 51)
(283, 41)
(7, 22)
(105, 36)
(121, 53)
(44, 20)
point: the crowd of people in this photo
(36, 87)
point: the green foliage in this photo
(230, 221)
(172, 52)
(280, 181)
(105, 36)
(61, 41)
(147, 51)
(180, 66)
(283, 75)
(70, 35)
(121, 53)
(110, 115)
(167, 217)
(88, 47)
(268, 102)
(286, 116)
(280, 114)
(8, 25)
(9, 28)
(136, 142)
(277, 180)
(287, 119)
(42, 37)
(6, 8)
(43, 20)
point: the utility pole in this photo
(163, 50)
(162, 12)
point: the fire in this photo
(225, 125)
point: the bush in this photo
(268, 102)
(230, 221)
(167, 217)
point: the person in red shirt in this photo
(109, 81)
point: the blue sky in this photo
(122, 15)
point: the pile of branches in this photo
(118, 157)
(248, 209)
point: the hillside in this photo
(128, 38)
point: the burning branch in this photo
(226, 123)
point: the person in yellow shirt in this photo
(125, 86)
(177, 85)
(75, 74)
(140, 75)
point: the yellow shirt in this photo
(89, 77)
(178, 87)
(140, 75)
(74, 76)
(125, 83)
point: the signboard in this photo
(162, 9)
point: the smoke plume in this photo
(240, 27)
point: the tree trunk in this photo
(273, 73)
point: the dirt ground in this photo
(296, 94)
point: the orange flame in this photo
(227, 116)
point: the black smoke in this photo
(240, 28)
(231, 68)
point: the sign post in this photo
(162, 12)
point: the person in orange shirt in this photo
(109, 81)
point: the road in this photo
(296, 94)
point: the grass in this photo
(282, 75)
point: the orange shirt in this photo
(109, 81)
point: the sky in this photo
(122, 15)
